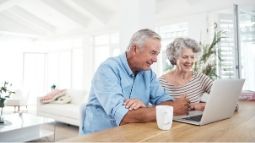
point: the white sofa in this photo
(66, 113)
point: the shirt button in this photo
(113, 122)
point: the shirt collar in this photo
(123, 58)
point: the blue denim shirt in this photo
(114, 82)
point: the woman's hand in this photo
(133, 104)
(197, 106)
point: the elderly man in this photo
(126, 77)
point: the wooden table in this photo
(241, 128)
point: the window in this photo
(59, 69)
(105, 46)
(77, 69)
(168, 33)
(66, 61)
(34, 75)
(247, 48)
(226, 67)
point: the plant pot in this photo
(1, 106)
(2, 102)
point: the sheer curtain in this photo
(34, 75)
(247, 48)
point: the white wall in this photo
(11, 59)
(135, 15)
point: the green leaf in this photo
(207, 62)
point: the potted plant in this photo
(53, 87)
(5, 92)
(207, 62)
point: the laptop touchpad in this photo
(191, 114)
(194, 118)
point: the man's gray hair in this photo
(141, 36)
(175, 48)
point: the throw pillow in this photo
(53, 95)
(63, 99)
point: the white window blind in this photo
(226, 67)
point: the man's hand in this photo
(197, 106)
(133, 104)
(181, 105)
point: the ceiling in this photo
(46, 17)
(35, 18)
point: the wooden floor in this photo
(62, 132)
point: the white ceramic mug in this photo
(164, 116)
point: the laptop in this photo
(221, 103)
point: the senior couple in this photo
(124, 86)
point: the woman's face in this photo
(186, 60)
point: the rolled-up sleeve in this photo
(119, 112)
(109, 92)
(158, 93)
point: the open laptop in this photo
(220, 104)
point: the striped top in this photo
(194, 89)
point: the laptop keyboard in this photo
(194, 118)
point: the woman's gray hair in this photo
(141, 36)
(175, 48)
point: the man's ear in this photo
(134, 49)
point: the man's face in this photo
(147, 55)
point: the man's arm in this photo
(148, 114)
(181, 106)
(141, 115)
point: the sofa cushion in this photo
(65, 110)
(78, 96)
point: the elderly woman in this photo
(182, 53)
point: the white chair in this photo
(17, 100)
